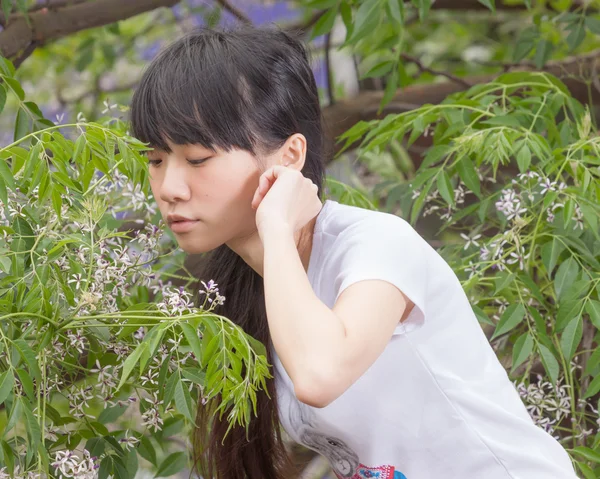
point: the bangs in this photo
(191, 95)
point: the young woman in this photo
(379, 362)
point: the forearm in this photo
(307, 335)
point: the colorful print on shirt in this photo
(381, 472)
(344, 461)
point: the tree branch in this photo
(476, 5)
(422, 68)
(51, 24)
(236, 12)
(347, 112)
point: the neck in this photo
(250, 248)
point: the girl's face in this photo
(214, 190)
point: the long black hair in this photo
(247, 88)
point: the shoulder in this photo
(352, 223)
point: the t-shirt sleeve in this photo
(386, 248)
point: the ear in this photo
(293, 152)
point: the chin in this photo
(191, 246)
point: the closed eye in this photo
(197, 162)
(191, 162)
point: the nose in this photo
(174, 186)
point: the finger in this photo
(268, 178)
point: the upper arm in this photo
(370, 311)
(382, 278)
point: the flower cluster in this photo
(69, 465)
(547, 404)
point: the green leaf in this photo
(510, 121)
(131, 462)
(571, 337)
(587, 453)
(592, 362)
(587, 471)
(146, 450)
(566, 274)
(153, 338)
(503, 279)
(56, 200)
(172, 464)
(3, 191)
(16, 88)
(27, 383)
(367, 18)
(592, 24)
(380, 69)
(33, 426)
(524, 158)
(481, 316)
(390, 90)
(195, 375)
(468, 174)
(396, 10)
(15, 414)
(95, 446)
(170, 389)
(6, 8)
(550, 363)
(193, 340)
(22, 6)
(23, 125)
(210, 350)
(130, 363)
(325, 23)
(7, 382)
(445, 187)
(346, 12)
(592, 308)
(512, 316)
(566, 312)
(575, 36)
(29, 357)
(593, 388)
(542, 53)
(111, 414)
(423, 6)
(489, 4)
(550, 253)
(525, 43)
(183, 401)
(522, 350)
(2, 97)
(120, 469)
(172, 427)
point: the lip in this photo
(182, 226)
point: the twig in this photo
(236, 12)
(24, 54)
(301, 29)
(423, 68)
(51, 24)
(328, 73)
(50, 5)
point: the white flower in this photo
(108, 106)
(77, 279)
(472, 269)
(128, 441)
(547, 185)
(518, 256)
(471, 240)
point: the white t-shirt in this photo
(436, 403)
